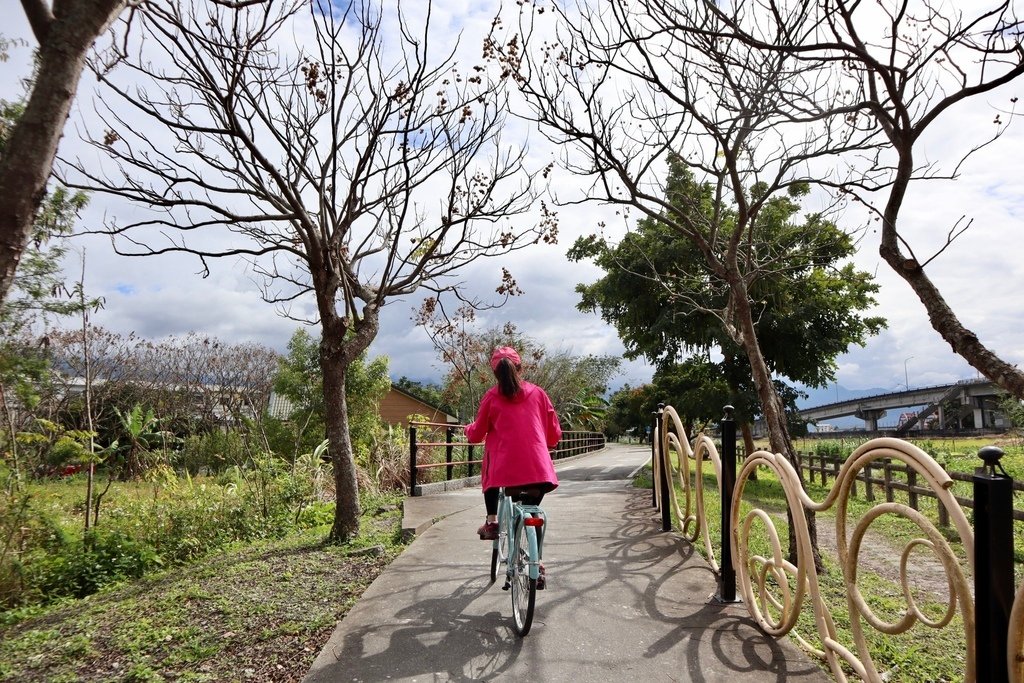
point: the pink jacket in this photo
(519, 433)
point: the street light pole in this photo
(906, 377)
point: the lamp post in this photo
(906, 377)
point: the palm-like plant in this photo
(138, 428)
(585, 411)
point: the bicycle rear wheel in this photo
(524, 589)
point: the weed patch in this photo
(258, 612)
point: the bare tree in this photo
(235, 379)
(904, 67)
(192, 383)
(349, 160)
(66, 33)
(630, 88)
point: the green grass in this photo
(258, 612)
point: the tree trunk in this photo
(341, 343)
(771, 405)
(963, 341)
(748, 444)
(64, 41)
(774, 415)
(346, 489)
(748, 438)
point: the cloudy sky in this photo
(981, 276)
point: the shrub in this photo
(168, 520)
(388, 461)
(211, 453)
(834, 449)
(27, 532)
(84, 566)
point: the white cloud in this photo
(980, 275)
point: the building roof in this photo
(281, 408)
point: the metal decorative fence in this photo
(776, 590)
(439, 452)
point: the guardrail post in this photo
(448, 434)
(993, 563)
(412, 461)
(727, 590)
(469, 461)
(666, 513)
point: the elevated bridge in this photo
(967, 403)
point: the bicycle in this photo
(520, 546)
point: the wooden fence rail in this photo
(884, 478)
(458, 459)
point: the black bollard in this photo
(412, 461)
(666, 513)
(993, 564)
(448, 435)
(654, 454)
(727, 592)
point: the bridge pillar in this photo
(871, 416)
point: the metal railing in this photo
(458, 459)
(775, 590)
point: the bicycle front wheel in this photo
(504, 527)
(494, 562)
(524, 589)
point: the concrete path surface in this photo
(625, 601)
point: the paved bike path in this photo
(624, 599)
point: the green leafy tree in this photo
(576, 385)
(429, 392)
(630, 411)
(665, 302)
(300, 381)
(586, 412)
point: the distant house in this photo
(398, 405)
(395, 408)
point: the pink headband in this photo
(504, 352)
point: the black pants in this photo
(491, 499)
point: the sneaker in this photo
(488, 531)
(542, 578)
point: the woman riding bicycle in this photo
(520, 425)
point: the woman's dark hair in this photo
(509, 383)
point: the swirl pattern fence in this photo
(775, 589)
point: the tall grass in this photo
(166, 521)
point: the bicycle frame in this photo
(520, 545)
(510, 515)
